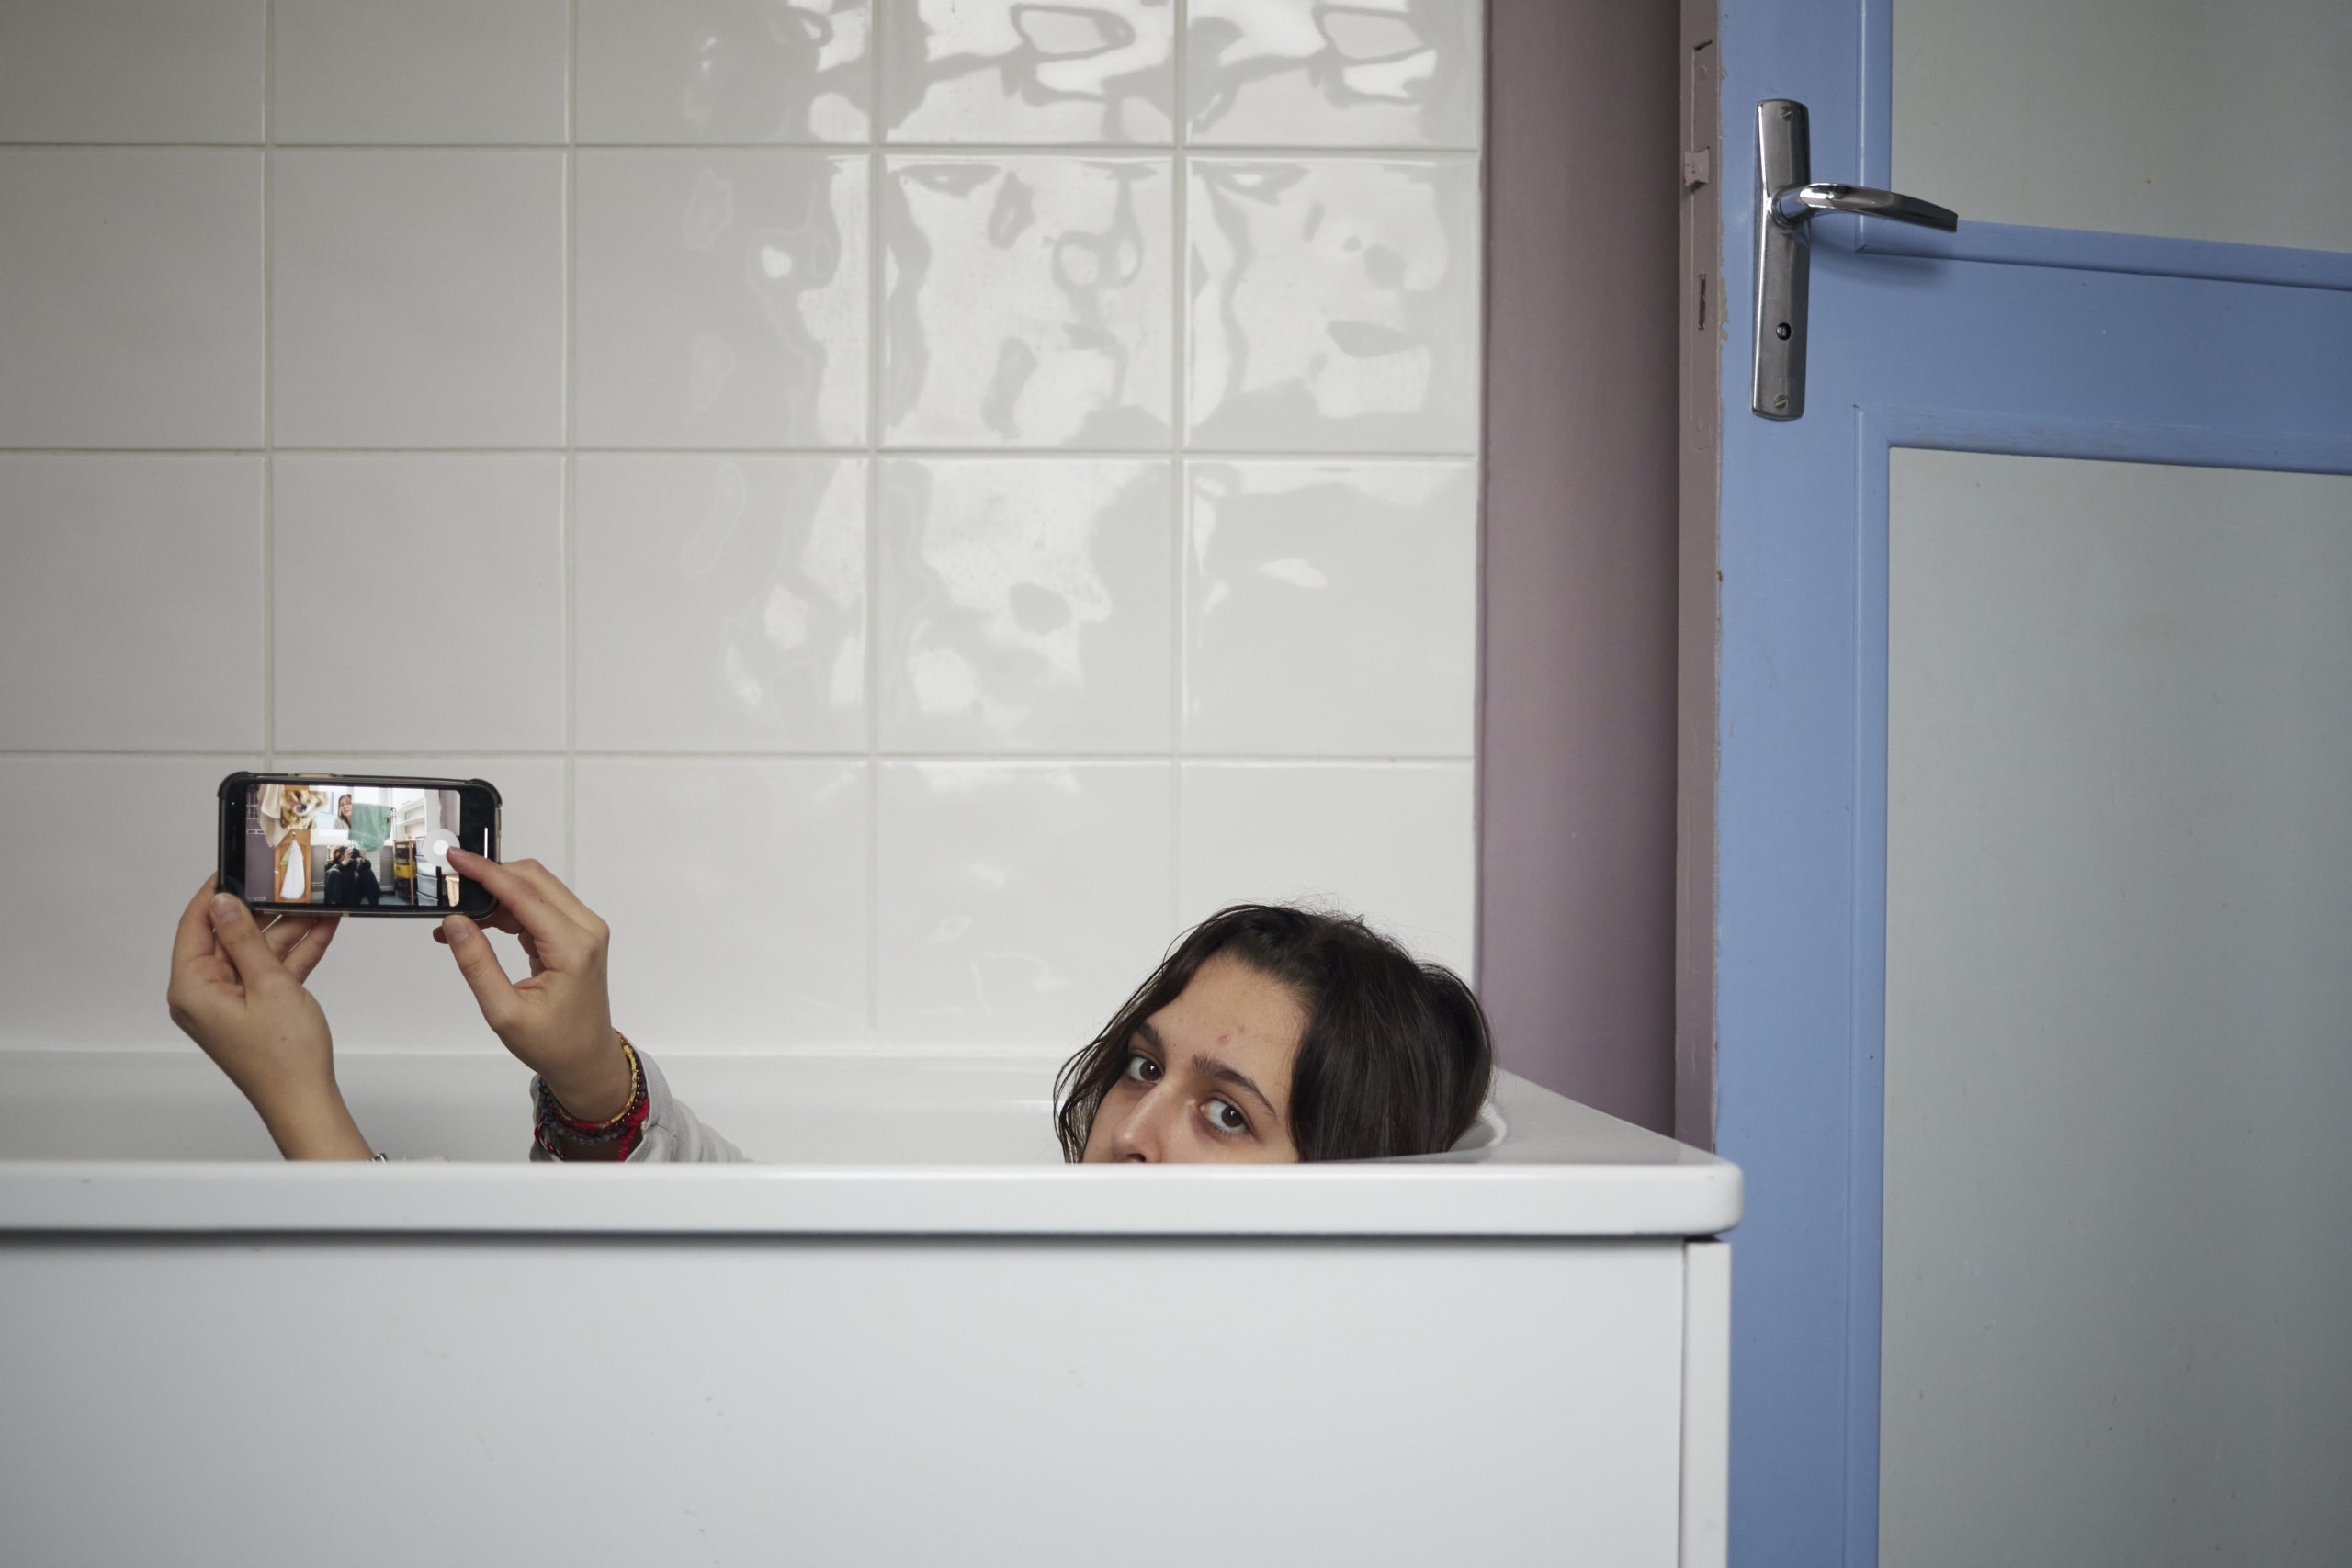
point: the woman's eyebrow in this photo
(1223, 1073)
(1209, 1066)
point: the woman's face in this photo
(1207, 1077)
(343, 808)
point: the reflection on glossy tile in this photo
(458, 561)
(1334, 304)
(722, 298)
(419, 299)
(386, 984)
(103, 853)
(736, 894)
(1304, 73)
(131, 300)
(721, 71)
(1028, 301)
(421, 70)
(1003, 71)
(1392, 843)
(1331, 608)
(721, 604)
(131, 612)
(1020, 903)
(1024, 604)
(133, 71)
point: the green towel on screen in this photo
(370, 826)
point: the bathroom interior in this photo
(916, 503)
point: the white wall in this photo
(908, 515)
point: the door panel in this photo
(2118, 949)
(2184, 119)
(2117, 348)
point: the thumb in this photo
(241, 938)
(479, 964)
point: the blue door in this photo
(2219, 351)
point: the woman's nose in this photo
(1141, 1135)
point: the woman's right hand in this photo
(237, 991)
(558, 1023)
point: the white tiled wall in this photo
(910, 501)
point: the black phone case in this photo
(231, 833)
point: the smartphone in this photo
(331, 844)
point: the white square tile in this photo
(721, 604)
(1334, 304)
(131, 70)
(1332, 609)
(131, 604)
(386, 984)
(966, 70)
(722, 299)
(419, 602)
(1024, 604)
(1304, 73)
(131, 297)
(422, 70)
(738, 895)
(103, 853)
(1027, 301)
(419, 299)
(1394, 843)
(724, 71)
(1020, 903)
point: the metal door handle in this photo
(1801, 202)
(1786, 199)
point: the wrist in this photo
(315, 1126)
(598, 1090)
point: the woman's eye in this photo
(1225, 1117)
(1142, 1068)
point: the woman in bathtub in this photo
(1267, 1034)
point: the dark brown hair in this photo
(1395, 1059)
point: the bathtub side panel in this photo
(844, 1401)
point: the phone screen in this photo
(327, 844)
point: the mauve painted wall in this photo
(1576, 728)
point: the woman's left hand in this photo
(559, 1021)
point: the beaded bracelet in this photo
(626, 1126)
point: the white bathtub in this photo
(919, 1339)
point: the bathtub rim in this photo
(1558, 1169)
(453, 1199)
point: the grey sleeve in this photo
(672, 1132)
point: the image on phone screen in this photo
(329, 844)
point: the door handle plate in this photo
(1786, 200)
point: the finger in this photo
(241, 941)
(499, 920)
(479, 965)
(551, 887)
(286, 931)
(311, 946)
(192, 939)
(538, 914)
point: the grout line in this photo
(877, 271)
(876, 277)
(268, 394)
(569, 520)
(1179, 428)
(974, 759)
(991, 151)
(930, 454)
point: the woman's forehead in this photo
(1230, 1010)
